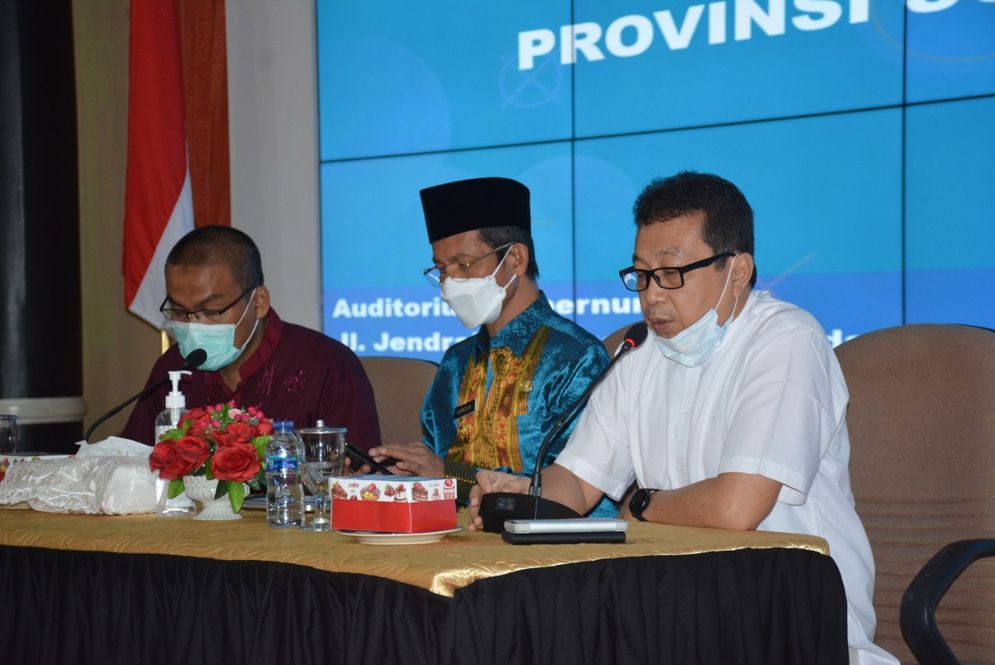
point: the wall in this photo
(118, 348)
(273, 143)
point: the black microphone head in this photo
(635, 336)
(197, 358)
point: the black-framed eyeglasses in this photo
(201, 315)
(458, 270)
(636, 279)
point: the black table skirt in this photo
(747, 606)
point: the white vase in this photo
(202, 490)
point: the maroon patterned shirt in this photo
(294, 374)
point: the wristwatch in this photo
(639, 502)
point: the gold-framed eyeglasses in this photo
(200, 315)
(458, 270)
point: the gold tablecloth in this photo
(459, 560)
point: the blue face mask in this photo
(693, 345)
(217, 339)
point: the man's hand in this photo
(347, 469)
(493, 481)
(414, 459)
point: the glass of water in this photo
(323, 450)
(8, 434)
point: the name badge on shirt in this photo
(465, 409)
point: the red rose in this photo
(226, 438)
(237, 462)
(265, 427)
(194, 450)
(196, 413)
(242, 432)
(167, 462)
(199, 419)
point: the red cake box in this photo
(393, 504)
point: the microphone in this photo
(497, 507)
(192, 361)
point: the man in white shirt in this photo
(732, 414)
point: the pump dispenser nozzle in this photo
(175, 399)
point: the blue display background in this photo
(815, 245)
(950, 213)
(871, 209)
(841, 67)
(403, 77)
(951, 53)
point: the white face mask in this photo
(476, 300)
(693, 345)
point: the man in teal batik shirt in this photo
(497, 393)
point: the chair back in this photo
(399, 387)
(922, 431)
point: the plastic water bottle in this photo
(284, 493)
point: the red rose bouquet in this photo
(222, 442)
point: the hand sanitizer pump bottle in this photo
(168, 418)
(176, 406)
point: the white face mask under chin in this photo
(693, 345)
(476, 300)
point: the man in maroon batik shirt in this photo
(216, 301)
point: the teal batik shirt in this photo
(494, 400)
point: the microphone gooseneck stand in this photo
(192, 361)
(497, 507)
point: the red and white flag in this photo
(158, 199)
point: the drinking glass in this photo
(8, 434)
(323, 450)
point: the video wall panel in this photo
(838, 254)
(950, 218)
(681, 64)
(872, 209)
(376, 299)
(404, 77)
(951, 49)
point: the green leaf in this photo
(173, 434)
(236, 495)
(260, 442)
(175, 488)
(222, 489)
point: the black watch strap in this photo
(639, 502)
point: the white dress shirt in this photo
(770, 400)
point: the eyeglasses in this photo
(636, 279)
(201, 315)
(457, 270)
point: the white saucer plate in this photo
(379, 538)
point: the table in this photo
(147, 589)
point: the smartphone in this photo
(359, 458)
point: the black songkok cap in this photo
(479, 203)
